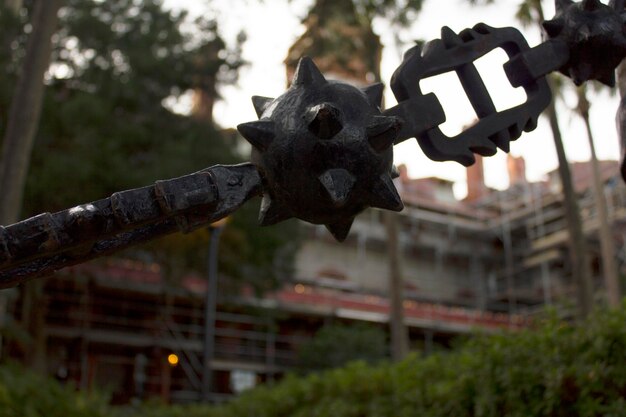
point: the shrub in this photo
(553, 369)
(336, 345)
(25, 394)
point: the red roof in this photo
(299, 296)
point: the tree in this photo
(531, 12)
(23, 120)
(25, 110)
(607, 247)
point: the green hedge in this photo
(25, 394)
(552, 370)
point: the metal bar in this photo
(210, 310)
(48, 242)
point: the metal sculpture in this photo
(323, 151)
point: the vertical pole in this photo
(509, 265)
(609, 266)
(25, 110)
(428, 342)
(210, 313)
(545, 283)
(399, 331)
(166, 380)
(3, 310)
(270, 352)
(581, 269)
(541, 232)
(85, 325)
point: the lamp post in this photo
(210, 308)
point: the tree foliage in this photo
(336, 345)
(105, 127)
(24, 393)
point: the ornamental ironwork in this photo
(323, 150)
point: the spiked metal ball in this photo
(324, 151)
(595, 35)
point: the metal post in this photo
(210, 313)
(3, 312)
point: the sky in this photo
(273, 25)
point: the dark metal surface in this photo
(595, 35)
(457, 52)
(323, 151)
(621, 132)
(47, 242)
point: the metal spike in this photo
(531, 124)
(395, 172)
(468, 35)
(325, 121)
(307, 73)
(553, 27)
(482, 28)
(483, 147)
(340, 230)
(620, 41)
(561, 5)
(374, 93)
(272, 212)
(583, 33)
(338, 183)
(515, 131)
(261, 104)
(608, 79)
(382, 131)
(433, 47)
(617, 5)
(260, 133)
(581, 73)
(415, 49)
(591, 5)
(385, 195)
(450, 38)
(502, 140)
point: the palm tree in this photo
(609, 267)
(531, 12)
